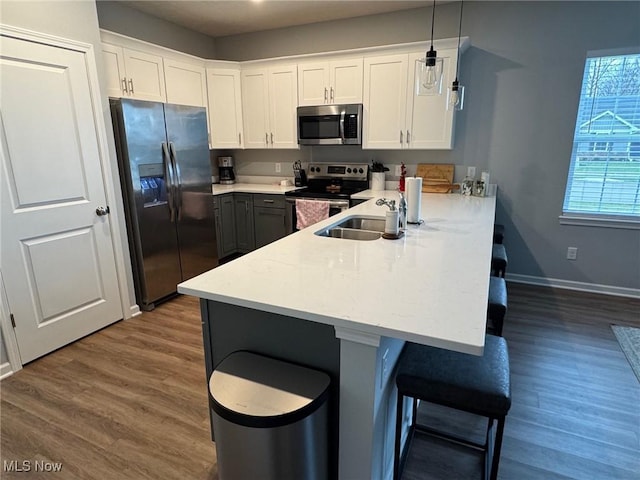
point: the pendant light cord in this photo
(459, 33)
(433, 15)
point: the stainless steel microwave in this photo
(330, 125)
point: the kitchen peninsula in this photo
(346, 307)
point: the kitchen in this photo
(495, 131)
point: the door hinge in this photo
(13, 320)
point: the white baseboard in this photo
(5, 370)
(571, 285)
(134, 311)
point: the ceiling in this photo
(219, 18)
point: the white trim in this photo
(356, 336)
(604, 221)
(572, 285)
(134, 311)
(5, 370)
(8, 332)
(612, 52)
(45, 38)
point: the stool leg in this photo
(497, 447)
(397, 451)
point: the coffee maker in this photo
(225, 166)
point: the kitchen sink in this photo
(355, 228)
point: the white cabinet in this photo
(332, 82)
(139, 75)
(396, 117)
(225, 107)
(269, 101)
(186, 83)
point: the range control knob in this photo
(361, 171)
(348, 170)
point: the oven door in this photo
(335, 206)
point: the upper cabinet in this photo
(186, 83)
(269, 101)
(396, 117)
(225, 107)
(330, 82)
(135, 74)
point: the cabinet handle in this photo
(240, 138)
(246, 206)
(124, 85)
(331, 97)
(401, 137)
(271, 138)
(131, 86)
(325, 94)
(408, 137)
(268, 201)
(266, 138)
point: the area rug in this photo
(629, 340)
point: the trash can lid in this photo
(258, 391)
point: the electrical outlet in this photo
(278, 168)
(572, 253)
(398, 170)
(471, 172)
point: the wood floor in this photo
(130, 402)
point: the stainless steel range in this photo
(330, 182)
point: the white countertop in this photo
(430, 287)
(219, 189)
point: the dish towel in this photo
(309, 212)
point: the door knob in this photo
(101, 211)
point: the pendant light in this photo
(430, 79)
(455, 100)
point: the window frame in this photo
(597, 219)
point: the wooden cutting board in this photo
(436, 177)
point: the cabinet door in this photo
(429, 122)
(243, 205)
(283, 101)
(227, 237)
(145, 76)
(269, 225)
(313, 83)
(255, 108)
(186, 83)
(113, 58)
(225, 108)
(346, 81)
(385, 100)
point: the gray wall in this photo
(523, 75)
(121, 19)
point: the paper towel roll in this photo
(413, 187)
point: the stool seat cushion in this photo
(476, 384)
(497, 298)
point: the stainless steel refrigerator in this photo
(165, 172)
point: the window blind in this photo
(604, 174)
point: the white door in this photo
(255, 108)
(313, 83)
(385, 102)
(57, 257)
(283, 100)
(429, 121)
(186, 83)
(346, 81)
(225, 107)
(145, 76)
(113, 58)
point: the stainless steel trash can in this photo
(270, 419)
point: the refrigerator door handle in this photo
(177, 180)
(169, 181)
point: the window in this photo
(604, 175)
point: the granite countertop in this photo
(430, 287)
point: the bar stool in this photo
(498, 233)
(499, 260)
(497, 304)
(476, 384)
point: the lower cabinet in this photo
(269, 218)
(246, 221)
(245, 238)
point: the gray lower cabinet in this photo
(269, 218)
(245, 239)
(224, 209)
